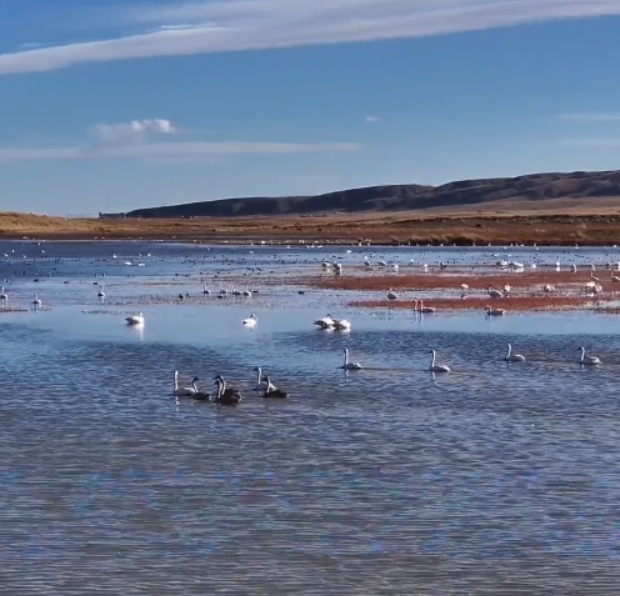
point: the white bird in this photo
(3, 295)
(325, 323)
(494, 293)
(260, 379)
(510, 357)
(135, 319)
(184, 391)
(548, 288)
(350, 365)
(587, 359)
(340, 324)
(250, 321)
(101, 293)
(507, 289)
(36, 302)
(391, 295)
(205, 290)
(437, 367)
(247, 293)
(429, 310)
(338, 267)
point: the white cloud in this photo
(132, 132)
(585, 117)
(234, 25)
(173, 150)
(372, 119)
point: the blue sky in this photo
(108, 105)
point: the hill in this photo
(549, 188)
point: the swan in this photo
(587, 359)
(205, 290)
(340, 324)
(350, 365)
(272, 391)
(325, 323)
(199, 395)
(260, 377)
(3, 295)
(226, 396)
(437, 367)
(184, 391)
(494, 293)
(494, 312)
(510, 357)
(250, 321)
(101, 293)
(135, 319)
(425, 309)
(391, 295)
(37, 302)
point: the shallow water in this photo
(495, 479)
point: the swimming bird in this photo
(37, 302)
(494, 312)
(437, 367)
(135, 319)
(226, 396)
(199, 395)
(587, 359)
(510, 357)
(429, 310)
(272, 391)
(3, 295)
(350, 365)
(325, 323)
(101, 293)
(250, 321)
(259, 380)
(340, 324)
(205, 290)
(184, 391)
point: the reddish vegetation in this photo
(531, 280)
(529, 303)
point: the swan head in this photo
(256, 369)
(581, 349)
(195, 380)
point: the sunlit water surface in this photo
(495, 479)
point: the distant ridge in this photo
(406, 197)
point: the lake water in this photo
(494, 479)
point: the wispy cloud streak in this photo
(173, 150)
(236, 25)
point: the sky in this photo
(110, 105)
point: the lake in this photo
(497, 478)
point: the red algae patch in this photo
(453, 281)
(514, 304)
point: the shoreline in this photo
(370, 229)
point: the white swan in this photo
(135, 319)
(437, 367)
(510, 357)
(340, 324)
(429, 310)
(350, 365)
(587, 359)
(260, 379)
(325, 323)
(184, 391)
(250, 321)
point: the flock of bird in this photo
(229, 396)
